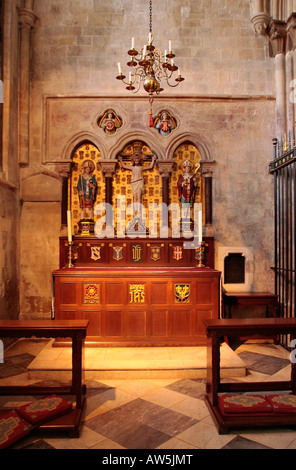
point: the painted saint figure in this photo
(110, 123)
(87, 190)
(137, 171)
(187, 184)
(165, 124)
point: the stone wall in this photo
(9, 176)
(225, 107)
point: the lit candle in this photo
(119, 68)
(165, 53)
(144, 51)
(150, 38)
(133, 43)
(130, 77)
(69, 226)
(179, 73)
(170, 46)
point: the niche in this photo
(237, 267)
(234, 269)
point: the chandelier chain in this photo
(149, 66)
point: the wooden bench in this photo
(217, 330)
(74, 329)
(251, 299)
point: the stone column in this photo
(108, 168)
(289, 102)
(64, 171)
(27, 19)
(291, 28)
(207, 173)
(277, 37)
(165, 168)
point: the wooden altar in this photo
(136, 290)
(139, 306)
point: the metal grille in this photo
(283, 169)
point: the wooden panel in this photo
(136, 323)
(181, 323)
(113, 323)
(67, 314)
(118, 252)
(159, 323)
(204, 292)
(95, 321)
(114, 293)
(68, 293)
(158, 293)
(134, 306)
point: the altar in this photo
(135, 263)
(139, 306)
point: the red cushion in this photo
(12, 429)
(282, 403)
(42, 410)
(244, 404)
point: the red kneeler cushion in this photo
(12, 429)
(283, 403)
(230, 404)
(43, 410)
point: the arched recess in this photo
(194, 140)
(191, 147)
(85, 151)
(78, 139)
(129, 137)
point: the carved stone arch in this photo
(132, 137)
(64, 165)
(41, 187)
(194, 140)
(206, 170)
(79, 139)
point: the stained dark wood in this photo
(74, 329)
(217, 330)
(267, 299)
(159, 320)
(83, 256)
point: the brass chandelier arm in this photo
(149, 66)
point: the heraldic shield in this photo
(182, 293)
(155, 253)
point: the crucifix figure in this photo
(137, 170)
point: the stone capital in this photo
(165, 167)
(277, 33)
(26, 18)
(260, 22)
(291, 29)
(108, 167)
(63, 168)
(207, 168)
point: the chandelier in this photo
(149, 67)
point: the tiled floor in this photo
(152, 413)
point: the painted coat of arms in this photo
(178, 253)
(117, 252)
(95, 253)
(155, 253)
(182, 293)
